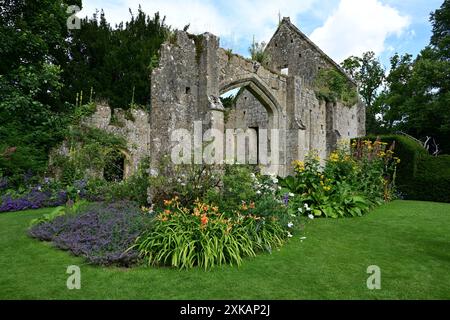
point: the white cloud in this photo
(231, 19)
(358, 26)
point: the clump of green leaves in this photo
(237, 186)
(199, 48)
(258, 53)
(89, 150)
(333, 86)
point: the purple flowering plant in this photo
(48, 193)
(100, 232)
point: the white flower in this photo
(279, 188)
(311, 216)
(153, 172)
(290, 225)
(258, 192)
(291, 195)
(307, 208)
(78, 191)
(300, 210)
(290, 235)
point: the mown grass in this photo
(408, 240)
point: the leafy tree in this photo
(391, 102)
(115, 62)
(417, 95)
(44, 67)
(33, 47)
(368, 72)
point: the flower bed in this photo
(33, 199)
(352, 181)
(101, 233)
(204, 237)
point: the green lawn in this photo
(409, 241)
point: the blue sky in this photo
(340, 27)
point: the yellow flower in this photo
(327, 188)
(299, 166)
(334, 157)
(397, 159)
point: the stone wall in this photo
(175, 92)
(292, 49)
(135, 130)
(247, 112)
(194, 71)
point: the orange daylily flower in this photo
(204, 219)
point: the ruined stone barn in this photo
(194, 72)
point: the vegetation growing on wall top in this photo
(198, 40)
(332, 86)
(89, 149)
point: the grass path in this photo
(408, 240)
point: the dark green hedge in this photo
(431, 181)
(419, 175)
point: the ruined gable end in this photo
(292, 52)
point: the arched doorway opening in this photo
(252, 111)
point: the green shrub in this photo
(238, 185)
(56, 212)
(268, 206)
(419, 175)
(431, 181)
(187, 182)
(90, 149)
(133, 189)
(409, 151)
(352, 181)
(60, 211)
